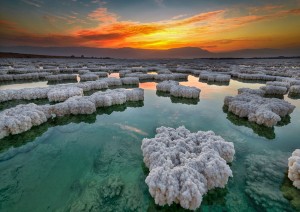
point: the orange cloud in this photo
(101, 14)
(204, 30)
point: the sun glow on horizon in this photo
(232, 27)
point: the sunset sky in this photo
(216, 26)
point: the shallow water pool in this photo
(94, 162)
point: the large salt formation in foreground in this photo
(264, 111)
(184, 166)
(294, 168)
(177, 90)
(23, 117)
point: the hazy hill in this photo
(185, 52)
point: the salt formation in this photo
(177, 90)
(256, 77)
(276, 83)
(60, 77)
(176, 76)
(165, 86)
(27, 76)
(112, 81)
(89, 77)
(130, 81)
(42, 93)
(265, 111)
(100, 73)
(295, 89)
(22, 117)
(214, 77)
(274, 90)
(60, 94)
(185, 91)
(294, 168)
(184, 166)
(251, 91)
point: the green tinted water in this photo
(94, 162)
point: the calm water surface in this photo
(94, 162)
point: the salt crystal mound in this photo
(130, 81)
(141, 76)
(294, 89)
(177, 90)
(100, 73)
(184, 166)
(42, 93)
(28, 76)
(256, 77)
(89, 77)
(165, 86)
(294, 168)
(60, 94)
(23, 117)
(176, 76)
(274, 90)
(214, 77)
(276, 83)
(251, 91)
(264, 111)
(185, 91)
(60, 77)
(20, 119)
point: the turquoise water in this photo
(94, 162)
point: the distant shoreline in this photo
(37, 56)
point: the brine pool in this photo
(94, 162)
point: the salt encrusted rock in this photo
(42, 93)
(274, 90)
(165, 86)
(141, 76)
(251, 91)
(92, 85)
(256, 77)
(214, 77)
(176, 76)
(112, 81)
(27, 76)
(89, 77)
(6, 77)
(276, 83)
(22, 117)
(84, 71)
(100, 73)
(265, 111)
(177, 90)
(59, 77)
(294, 168)
(295, 89)
(130, 81)
(123, 73)
(185, 91)
(184, 166)
(60, 94)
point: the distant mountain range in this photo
(132, 53)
